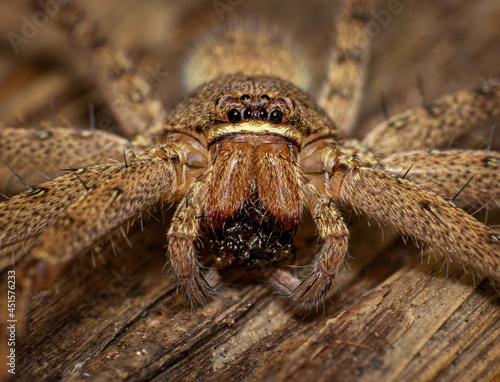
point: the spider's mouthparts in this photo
(247, 167)
(250, 239)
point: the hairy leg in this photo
(342, 90)
(27, 214)
(34, 153)
(419, 213)
(129, 96)
(132, 189)
(447, 172)
(138, 186)
(437, 124)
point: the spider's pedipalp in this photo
(330, 260)
(419, 213)
(184, 230)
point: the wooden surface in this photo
(395, 317)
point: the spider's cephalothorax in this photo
(245, 154)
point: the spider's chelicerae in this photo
(245, 154)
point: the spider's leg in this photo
(27, 214)
(417, 212)
(447, 172)
(129, 96)
(313, 289)
(195, 288)
(341, 93)
(45, 152)
(134, 188)
(437, 124)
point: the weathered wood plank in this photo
(401, 321)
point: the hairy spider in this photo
(245, 154)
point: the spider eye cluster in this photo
(235, 116)
(260, 108)
(246, 107)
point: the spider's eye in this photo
(234, 116)
(276, 116)
(265, 96)
(263, 114)
(247, 113)
(245, 97)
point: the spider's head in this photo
(260, 106)
(246, 108)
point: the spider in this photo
(245, 154)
